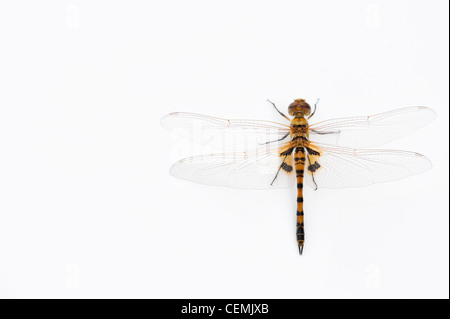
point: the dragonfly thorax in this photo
(299, 121)
(299, 125)
(299, 128)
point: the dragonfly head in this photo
(299, 107)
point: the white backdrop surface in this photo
(88, 208)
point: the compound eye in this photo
(299, 107)
(292, 108)
(306, 108)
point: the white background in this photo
(88, 208)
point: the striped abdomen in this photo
(300, 159)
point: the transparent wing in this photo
(343, 167)
(371, 131)
(226, 135)
(258, 169)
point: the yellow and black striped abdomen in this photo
(299, 160)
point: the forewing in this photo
(371, 131)
(226, 135)
(247, 170)
(333, 167)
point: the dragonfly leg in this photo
(276, 140)
(312, 169)
(315, 108)
(281, 113)
(281, 166)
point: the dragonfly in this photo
(336, 153)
